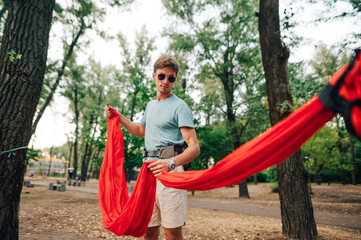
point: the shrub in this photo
(274, 187)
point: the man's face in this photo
(164, 86)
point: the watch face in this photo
(171, 165)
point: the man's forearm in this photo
(187, 156)
(135, 129)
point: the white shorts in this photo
(170, 206)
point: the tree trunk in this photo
(26, 35)
(90, 154)
(70, 147)
(132, 108)
(296, 206)
(243, 190)
(76, 110)
(317, 173)
(91, 168)
(84, 167)
(228, 86)
(95, 172)
(49, 169)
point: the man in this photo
(166, 124)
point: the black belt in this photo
(151, 153)
(178, 149)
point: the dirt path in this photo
(328, 214)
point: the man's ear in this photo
(153, 75)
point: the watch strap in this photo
(171, 164)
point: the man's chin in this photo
(166, 91)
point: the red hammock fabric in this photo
(270, 148)
(123, 215)
(130, 216)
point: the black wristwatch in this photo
(171, 164)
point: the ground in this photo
(46, 214)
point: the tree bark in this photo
(49, 168)
(84, 166)
(228, 85)
(296, 206)
(76, 110)
(26, 34)
(70, 147)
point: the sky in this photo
(55, 124)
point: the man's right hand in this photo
(108, 113)
(135, 129)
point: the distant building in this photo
(44, 165)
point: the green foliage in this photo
(215, 143)
(327, 154)
(321, 153)
(32, 153)
(14, 56)
(303, 86)
(288, 24)
(356, 4)
(285, 107)
(262, 177)
(306, 85)
(132, 91)
(357, 156)
(274, 187)
(271, 174)
(135, 64)
(71, 21)
(327, 61)
(133, 154)
(223, 46)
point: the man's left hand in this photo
(159, 166)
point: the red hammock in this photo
(130, 216)
(123, 215)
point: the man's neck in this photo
(161, 97)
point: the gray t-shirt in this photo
(162, 120)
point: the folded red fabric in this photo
(123, 215)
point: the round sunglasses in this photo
(171, 78)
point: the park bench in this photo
(60, 186)
(28, 184)
(79, 183)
